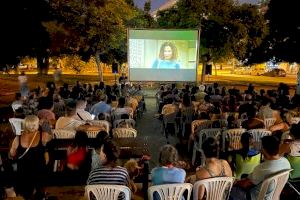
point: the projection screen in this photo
(163, 55)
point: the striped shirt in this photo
(109, 176)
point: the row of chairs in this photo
(17, 127)
(216, 189)
(231, 139)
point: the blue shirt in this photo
(100, 107)
(164, 175)
(165, 64)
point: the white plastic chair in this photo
(64, 133)
(124, 133)
(107, 192)
(269, 122)
(92, 134)
(129, 122)
(216, 188)
(100, 123)
(257, 134)
(234, 138)
(278, 180)
(16, 125)
(202, 135)
(295, 120)
(170, 191)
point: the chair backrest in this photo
(279, 180)
(170, 191)
(170, 118)
(63, 133)
(200, 124)
(295, 120)
(216, 188)
(16, 125)
(107, 192)
(269, 122)
(206, 133)
(233, 136)
(16, 106)
(101, 123)
(92, 134)
(124, 133)
(188, 114)
(257, 134)
(129, 122)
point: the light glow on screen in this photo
(162, 55)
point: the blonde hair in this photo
(31, 123)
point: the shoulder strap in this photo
(28, 146)
(79, 116)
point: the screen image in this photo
(162, 55)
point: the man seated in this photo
(273, 164)
(80, 111)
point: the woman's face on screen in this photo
(168, 53)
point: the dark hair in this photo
(81, 139)
(245, 140)
(270, 144)
(121, 102)
(45, 103)
(174, 50)
(210, 148)
(295, 131)
(100, 139)
(112, 152)
(251, 112)
(71, 108)
(186, 101)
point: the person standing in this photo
(24, 90)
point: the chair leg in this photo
(291, 185)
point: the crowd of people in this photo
(73, 109)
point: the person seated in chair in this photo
(247, 158)
(273, 164)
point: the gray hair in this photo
(168, 155)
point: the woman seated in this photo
(245, 159)
(109, 172)
(213, 167)
(100, 139)
(281, 123)
(77, 152)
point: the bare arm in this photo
(13, 148)
(244, 183)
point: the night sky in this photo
(156, 3)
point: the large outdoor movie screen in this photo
(162, 55)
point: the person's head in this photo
(168, 51)
(270, 145)
(71, 108)
(251, 112)
(201, 88)
(121, 102)
(186, 100)
(100, 139)
(265, 101)
(210, 148)
(168, 155)
(18, 96)
(81, 104)
(45, 103)
(31, 123)
(295, 131)
(81, 139)
(109, 153)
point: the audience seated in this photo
(252, 122)
(273, 163)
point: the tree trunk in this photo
(99, 68)
(203, 72)
(215, 69)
